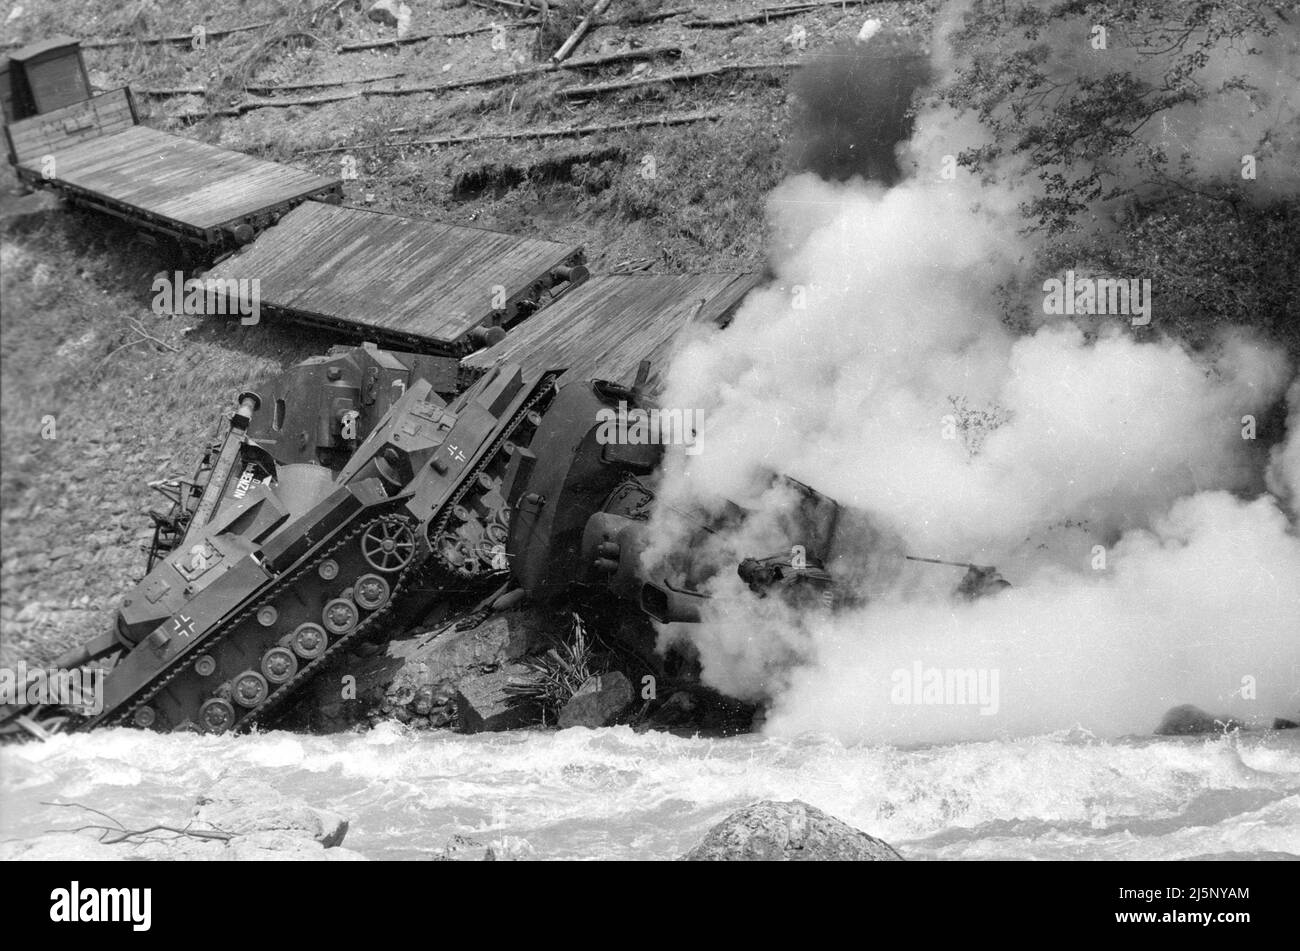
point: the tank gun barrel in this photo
(944, 561)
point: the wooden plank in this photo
(71, 125)
(392, 277)
(606, 327)
(191, 183)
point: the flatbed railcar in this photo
(406, 283)
(93, 151)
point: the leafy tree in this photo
(1081, 133)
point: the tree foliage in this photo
(1080, 132)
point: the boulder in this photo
(414, 679)
(279, 845)
(677, 710)
(244, 807)
(391, 13)
(461, 848)
(702, 710)
(483, 704)
(384, 11)
(600, 701)
(788, 832)
(1188, 720)
(439, 659)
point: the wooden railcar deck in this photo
(606, 327)
(405, 282)
(94, 153)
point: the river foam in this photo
(614, 793)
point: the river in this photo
(617, 794)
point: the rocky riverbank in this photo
(510, 669)
(249, 820)
(240, 821)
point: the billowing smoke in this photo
(1284, 471)
(854, 104)
(1112, 478)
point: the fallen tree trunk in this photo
(529, 7)
(646, 53)
(599, 89)
(321, 84)
(769, 13)
(654, 16)
(635, 19)
(425, 37)
(161, 92)
(240, 108)
(569, 45)
(94, 44)
(663, 120)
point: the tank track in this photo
(470, 487)
(475, 523)
(283, 691)
(471, 496)
(214, 641)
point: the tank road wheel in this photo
(340, 616)
(249, 689)
(388, 545)
(279, 665)
(371, 592)
(216, 715)
(308, 641)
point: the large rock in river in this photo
(600, 701)
(788, 832)
(485, 704)
(1188, 720)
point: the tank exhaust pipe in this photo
(225, 464)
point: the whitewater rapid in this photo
(617, 794)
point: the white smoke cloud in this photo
(1107, 476)
(1284, 470)
(1204, 608)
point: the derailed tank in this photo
(282, 566)
(351, 498)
